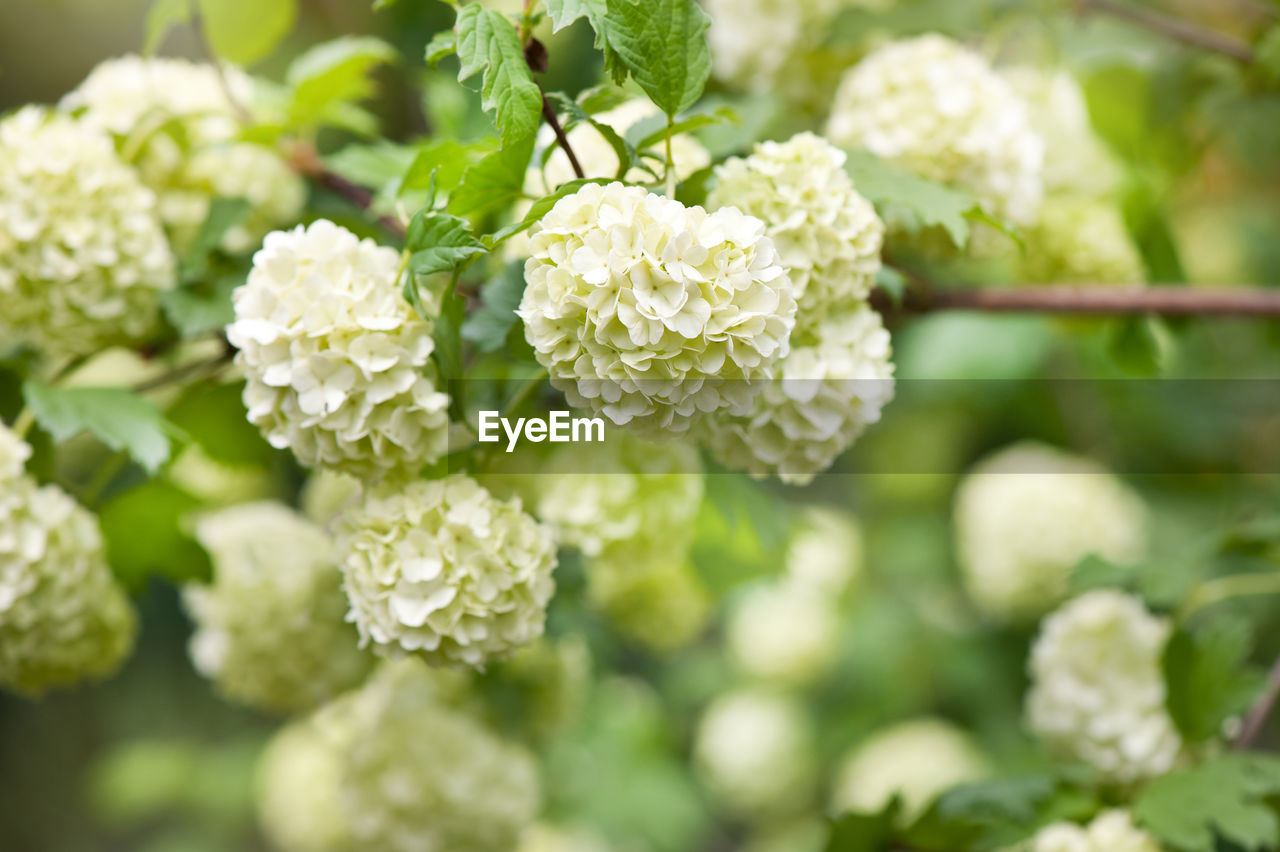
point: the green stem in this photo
(1225, 588)
(670, 175)
(102, 478)
(26, 419)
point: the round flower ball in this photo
(652, 313)
(825, 552)
(938, 109)
(1026, 516)
(1110, 831)
(443, 570)
(753, 751)
(650, 593)
(916, 761)
(784, 631)
(63, 616)
(1097, 687)
(824, 394)
(827, 235)
(83, 258)
(600, 495)
(270, 628)
(337, 363)
(1081, 240)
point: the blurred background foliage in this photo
(152, 761)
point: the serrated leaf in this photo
(488, 44)
(442, 44)
(690, 124)
(999, 813)
(1226, 796)
(438, 242)
(489, 326)
(864, 832)
(224, 214)
(663, 43)
(912, 201)
(565, 12)
(496, 181)
(117, 417)
(244, 31)
(162, 17)
(334, 75)
(1208, 677)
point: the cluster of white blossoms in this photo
(823, 396)
(1097, 687)
(393, 768)
(336, 360)
(652, 313)
(825, 551)
(1026, 516)
(784, 631)
(754, 753)
(1110, 831)
(63, 617)
(752, 42)
(827, 235)
(939, 110)
(270, 628)
(444, 570)
(83, 257)
(915, 761)
(1081, 240)
(179, 123)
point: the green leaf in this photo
(448, 335)
(198, 310)
(213, 416)
(1226, 796)
(489, 326)
(1162, 584)
(165, 548)
(741, 532)
(244, 31)
(162, 17)
(690, 124)
(333, 76)
(442, 44)
(865, 832)
(487, 43)
(663, 43)
(495, 182)
(893, 283)
(912, 201)
(1140, 346)
(999, 813)
(439, 242)
(1208, 677)
(119, 418)
(970, 346)
(372, 166)
(224, 214)
(539, 209)
(565, 12)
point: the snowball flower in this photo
(83, 258)
(597, 496)
(651, 594)
(270, 630)
(337, 362)
(823, 396)
(444, 570)
(653, 313)
(1097, 688)
(938, 109)
(1081, 240)
(827, 235)
(784, 631)
(916, 761)
(1110, 831)
(825, 551)
(1026, 516)
(754, 752)
(63, 617)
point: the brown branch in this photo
(1256, 719)
(307, 162)
(561, 137)
(1098, 300)
(1170, 27)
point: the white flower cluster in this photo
(337, 362)
(392, 768)
(444, 570)
(827, 235)
(784, 631)
(1081, 240)
(753, 41)
(83, 257)
(916, 761)
(938, 109)
(754, 753)
(270, 629)
(826, 550)
(652, 313)
(1110, 831)
(824, 395)
(176, 118)
(1097, 688)
(1027, 515)
(542, 837)
(63, 617)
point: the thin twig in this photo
(202, 38)
(1099, 300)
(1256, 719)
(562, 139)
(185, 371)
(306, 162)
(1171, 27)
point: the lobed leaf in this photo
(488, 44)
(663, 43)
(117, 417)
